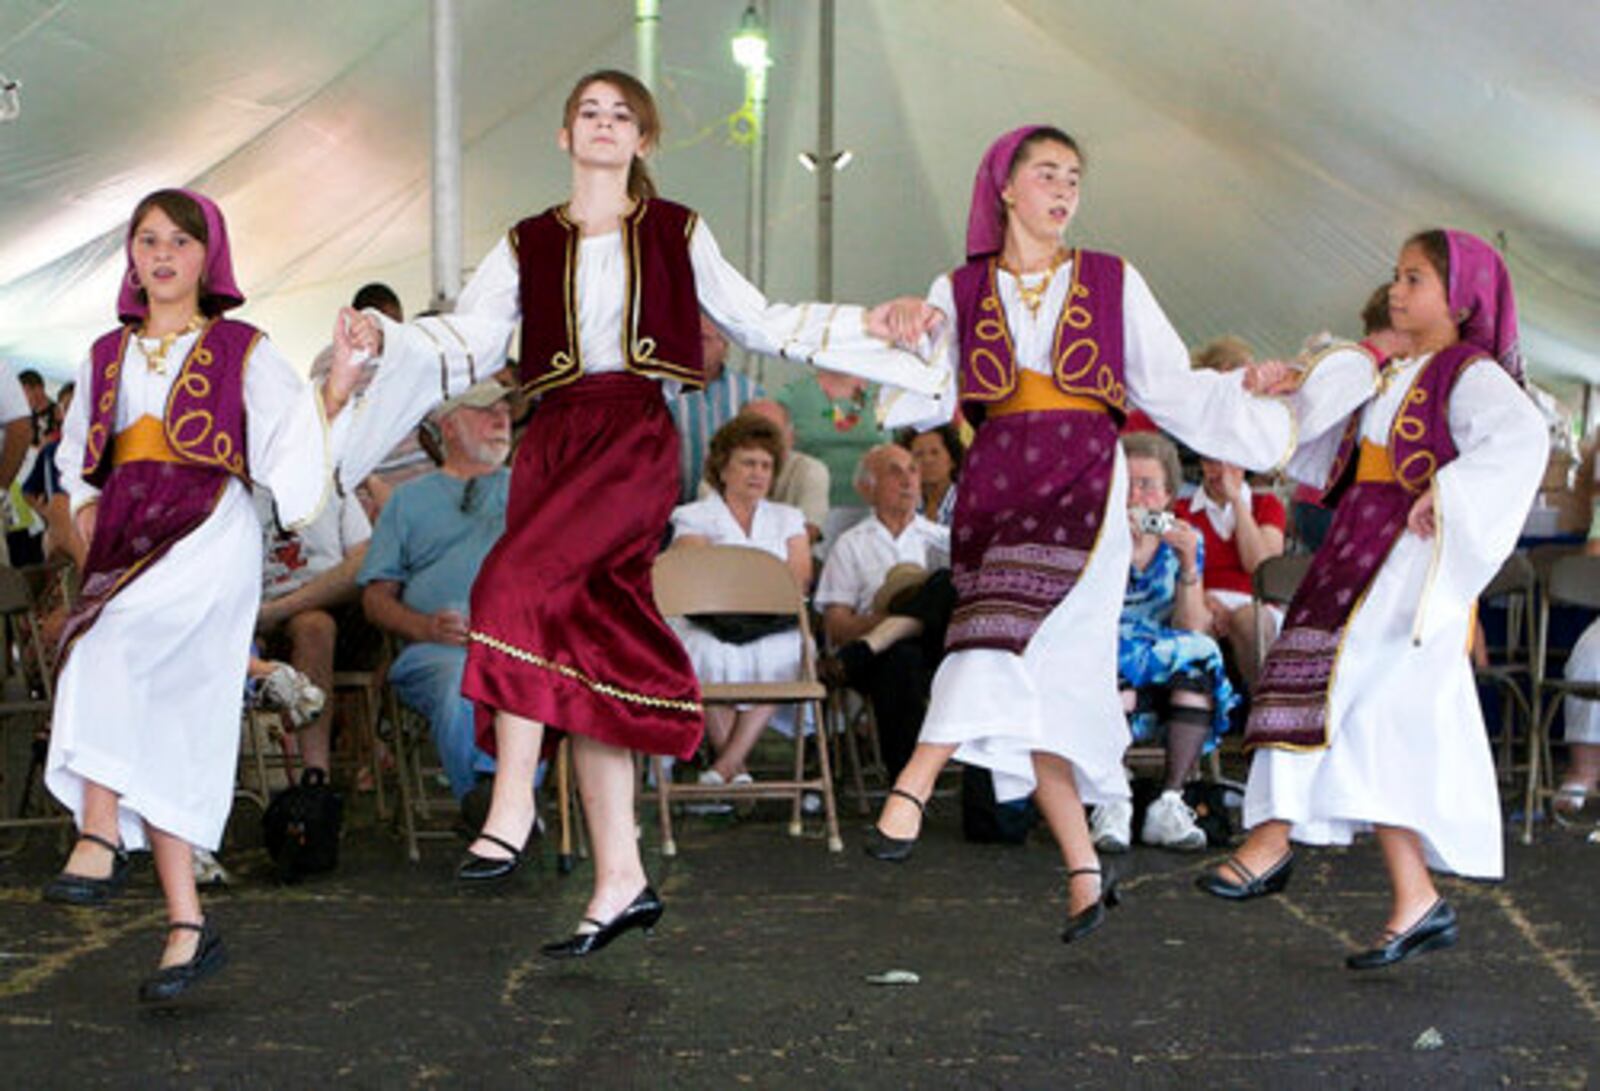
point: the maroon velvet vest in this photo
(1419, 438)
(204, 416)
(1087, 354)
(661, 319)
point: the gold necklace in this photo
(1033, 298)
(155, 349)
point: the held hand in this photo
(1391, 343)
(1421, 520)
(903, 321)
(1271, 378)
(447, 627)
(348, 355)
(1184, 540)
(83, 519)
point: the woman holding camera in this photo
(1170, 672)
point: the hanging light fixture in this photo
(10, 98)
(750, 43)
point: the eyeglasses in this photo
(1147, 484)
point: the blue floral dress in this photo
(1150, 653)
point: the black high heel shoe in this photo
(1275, 880)
(1080, 924)
(485, 869)
(1435, 931)
(643, 912)
(895, 850)
(82, 890)
(171, 982)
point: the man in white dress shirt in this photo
(897, 678)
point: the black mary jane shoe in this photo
(1273, 881)
(1435, 931)
(643, 912)
(1080, 924)
(171, 982)
(894, 850)
(69, 889)
(486, 869)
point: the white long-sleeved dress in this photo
(1407, 745)
(148, 703)
(1060, 695)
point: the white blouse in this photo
(1208, 410)
(773, 527)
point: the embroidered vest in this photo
(1087, 354)
(1419, 438)
(204, 415)
(661, 312)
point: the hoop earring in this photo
(133, 279)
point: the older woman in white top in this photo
(745, 457)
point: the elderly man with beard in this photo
(424, 555)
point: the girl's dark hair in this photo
(641, 187)
(184, 211)
(949, 435)
(1435, 246)
(1041, 135)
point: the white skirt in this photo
(148, 704)
(1407, 744)
(774, 658)
(1059, 696)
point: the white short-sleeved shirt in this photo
(293, 558)
(771, 529)
(863, 555)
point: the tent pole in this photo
(446, 153)
(646, 21)
(825, 169)
(756, 211)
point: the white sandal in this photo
(1570, 798)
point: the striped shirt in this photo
(698, 414)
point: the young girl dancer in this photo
(609, 287)
(183, 408)
(1366, 716)
(1049, 347)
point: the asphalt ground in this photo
(386, 974)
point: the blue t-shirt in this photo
(433, 535)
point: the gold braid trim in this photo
(602, 688)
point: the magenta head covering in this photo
(1481, 301)
(216, 279)
(986, 223)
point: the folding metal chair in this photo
(1512, 670)
(26, 695)
(739, 580)
(1573, 580)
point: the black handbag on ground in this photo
(743, 628)
(987, 822)
(301, 827)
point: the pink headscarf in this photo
(1481, 300)
(216, 280)
(986, 224)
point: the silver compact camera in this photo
(1154, 522)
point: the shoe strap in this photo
(516, 853)
(903, 794)
(1234, 864)
(598, 925)
(187, 926)
(1082, 871)
(95, 839)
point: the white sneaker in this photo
(1169, 823)
(1111, 826)
(709, 806)
(208, 871)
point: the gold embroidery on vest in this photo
(209, 446)
(639, 353)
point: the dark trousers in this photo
(897, 683)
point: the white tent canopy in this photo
(1259, 161)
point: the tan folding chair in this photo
(1573, 580)
(738, 580)
(419, 808)
(26, 694)
(1274, 583)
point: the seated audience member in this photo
(895, 675)
(1241, 529)
(16, 418)
(699, 413)
(407, 459)
(1174, 686)
(44, 414)
(740, 466)
(425, 553)
(1583, 717)
(802, 481)
(835, 422)
(42, 491)
(309, 598)
(938, 453)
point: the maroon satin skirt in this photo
(565, 629)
